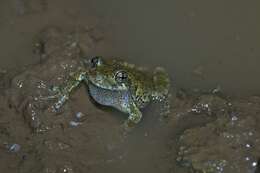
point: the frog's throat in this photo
(114, 98)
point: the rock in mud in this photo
(30, 92)
(229, 144)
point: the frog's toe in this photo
(132, 120)
(57, 106)
(55, 89)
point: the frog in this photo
(118, 84)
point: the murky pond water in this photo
(204, 45)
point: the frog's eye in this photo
(121, 76)
(96, 61)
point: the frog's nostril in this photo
(96, 61)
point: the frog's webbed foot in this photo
(54, 93)
(135, 116)
(63, 93)
(61, 101)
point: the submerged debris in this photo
(66, 169)
(74, 123)
(13, 148)
(217, 90)
(19, 84)
(80, 117)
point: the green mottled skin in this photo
(140, 87)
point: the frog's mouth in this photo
(106, 85)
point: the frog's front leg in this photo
(64, 92)
(135, 116)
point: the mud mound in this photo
(228, 144)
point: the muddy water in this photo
(219, 39)
(202, 44)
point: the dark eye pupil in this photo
(121, 76)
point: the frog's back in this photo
(147, 85)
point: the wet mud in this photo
(227, 144)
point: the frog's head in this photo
(107, 74)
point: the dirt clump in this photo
(228, 144)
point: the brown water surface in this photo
(218, 39)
